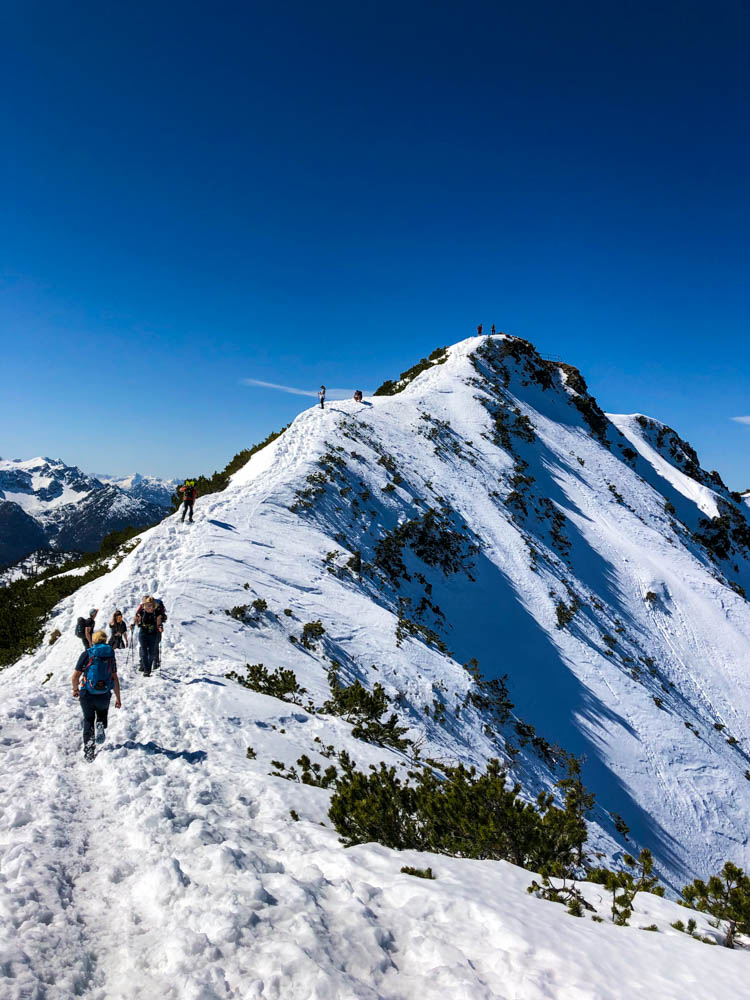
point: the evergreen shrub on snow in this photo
(366, 709)
(279, 683)
(460, 813)
(726, 897)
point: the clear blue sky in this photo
(299, 193)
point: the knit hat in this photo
(92, 613)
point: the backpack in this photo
(189, 489)
(81, 628)
(100, 669)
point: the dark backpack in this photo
(189, 489)
(100, 669)
(81, 628)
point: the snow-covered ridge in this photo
(565, 540)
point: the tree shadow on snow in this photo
(151, 748)
(490, 622)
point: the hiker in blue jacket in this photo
(94, 679)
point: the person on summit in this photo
(358, 396)
(189, 492)
(118, 638)
(150, 620)
(94, 679)
(322, 396)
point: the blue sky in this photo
(194, 195)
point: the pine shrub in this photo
(726, 897)
(417, 872)
(462, 814)
(311, 633)
(280, 683)
(626, 884)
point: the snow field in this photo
(172, 867)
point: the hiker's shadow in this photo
(151, 748)
(221, 524)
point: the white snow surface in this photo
(171, 866)
(702, 496)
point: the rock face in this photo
(45, 504)
(20, 534)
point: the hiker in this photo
(322, 396)
(150, 620)
(160, 610)
(358, 396)
(479, 330)
(188, 491)
(493, 330)
(94, 678)
(85, 626)
(118, 637)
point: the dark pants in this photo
(86, 643)
(149, 650)
(94, 708)
(116, 641)
(188, 506)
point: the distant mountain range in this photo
(48, 505)
(158, 491)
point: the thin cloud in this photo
(742, 420)
(281, 388)
(330, 393)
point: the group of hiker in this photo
(95, 674)
(322, 396)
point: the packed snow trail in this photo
(170, 868)
(172, 865)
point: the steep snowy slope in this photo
(487, 512)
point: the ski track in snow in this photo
(170, 867)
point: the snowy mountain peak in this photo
(521, 574)
(46, 504)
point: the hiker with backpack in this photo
(118, 638)
(160, 610)
(189, 493)
(85, 626)
(322, 396)
(149, 617)
(94, 679)
(358, 396)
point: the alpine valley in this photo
(475, 565)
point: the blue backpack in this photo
(100, 669)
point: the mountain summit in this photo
(520, 575)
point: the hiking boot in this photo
(100, 732)
(89, 751)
